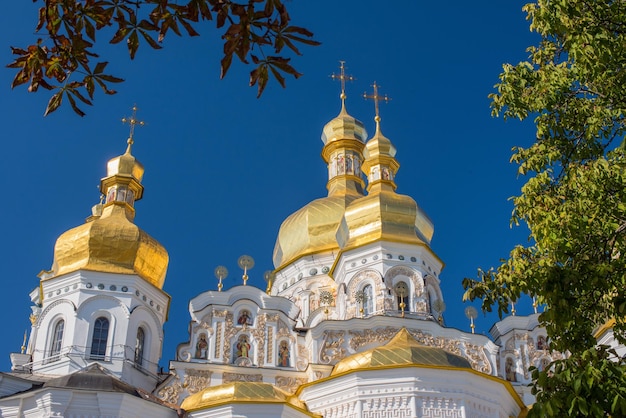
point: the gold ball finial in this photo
(221, 273)
(245, 262)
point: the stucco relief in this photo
(290, 384)
(196, 380)
(332, 349)
(241, 377)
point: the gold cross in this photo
(132, 121)
(342, 77)
(376, 99)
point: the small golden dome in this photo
(241, 392)
(343, 126)
(383, 214)
(402, 350)
(109, 241)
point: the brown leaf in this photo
(54, 103)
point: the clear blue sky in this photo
(223, 169)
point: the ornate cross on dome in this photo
(342, 77)
(132, 121)
(376, 99)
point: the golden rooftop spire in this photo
(342, 77)
(376, 97)
(132, 121)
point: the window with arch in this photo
(99, 338)
(368, 300)
(57, 340)
(139, 346)
(402, 296)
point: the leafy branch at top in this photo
(65, 61)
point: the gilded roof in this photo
(401, 350)
(312, 228)
(111, 244)
(241, 392)
(109, 241)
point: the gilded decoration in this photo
(259, 336)
(241, 377)
(290, 384)
(418, 283)
(270, 344)
(372, 276)
(196, 380)
(477, 358)
(218, 340)
(332, 349)
(302, 359)
(475, 354)
(229, 333)
(171, 393)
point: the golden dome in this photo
(312, 229)
(109, 241)
(383, 214)
(241, 392)
(343, 126)
(402, 350)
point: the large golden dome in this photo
(109, 241)
(401, 350)
(312, 228)
(241, 392)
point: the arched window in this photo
(57, 340)
(139, 345)
(368, 300)
(402, 294)
(99, 339)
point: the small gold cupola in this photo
(312, 228)
(382, 214)
(109, 241)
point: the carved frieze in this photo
(241, 377)
(196, 380)
(289, 384)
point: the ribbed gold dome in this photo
(402, 350)
(312, 229)
(383, 214)
(241, 392)
(111, 244)
(343, 126)
(386, 216)
(109, 241)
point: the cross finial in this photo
(376, 99)
(132, 121)
(342, 77)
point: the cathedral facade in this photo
(350, 325)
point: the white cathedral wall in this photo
(80, 403)
(250, 410)
(411, 392)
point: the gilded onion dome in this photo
(403, 350)
(383, 214)
(109, 241)
(241, 392)
(312, 229)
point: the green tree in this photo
(65, 61)
(573, 201)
